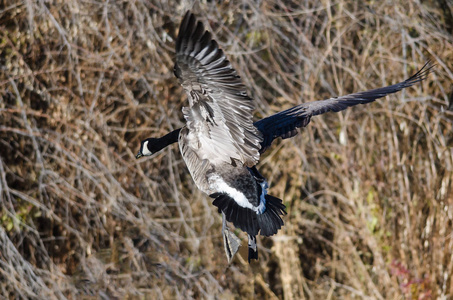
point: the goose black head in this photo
(148, 147)
(151, 145)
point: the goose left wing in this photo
(219, 116)
(285, 123)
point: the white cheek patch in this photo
(145, 150)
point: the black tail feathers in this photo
(270, 221)
(246, 219)
(243, 218)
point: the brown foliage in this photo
(368, 190)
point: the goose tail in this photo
(270, 220)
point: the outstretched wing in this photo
(219, 116)
(284, 124)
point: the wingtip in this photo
(421, 74)
(187, 24)
(187, 13)
(427, 68)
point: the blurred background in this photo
(367, 190)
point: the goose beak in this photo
(139, 154)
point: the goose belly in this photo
(231, 178)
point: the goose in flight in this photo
(221, 144)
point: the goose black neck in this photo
(164, 141)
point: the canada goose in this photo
(221, 145)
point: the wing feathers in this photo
(284, 124)
(213, 86)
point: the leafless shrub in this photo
(368, 191)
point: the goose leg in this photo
(230, 241)
(253, 249)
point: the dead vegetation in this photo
(368, 191)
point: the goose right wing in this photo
(284, 124)
(219, 116)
